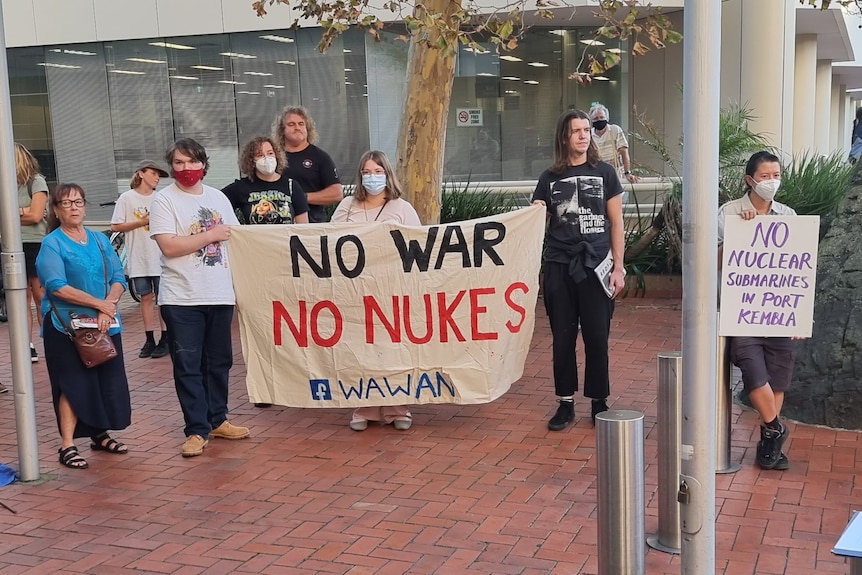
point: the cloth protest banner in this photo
(362, 314)
(768, 272)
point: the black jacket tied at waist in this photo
(583, 257)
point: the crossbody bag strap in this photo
(66, 327)
(105, 266)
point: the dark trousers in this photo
(199, 338)
(567, 304)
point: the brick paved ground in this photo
(482, 489)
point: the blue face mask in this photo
(374, 183)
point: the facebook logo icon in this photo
(320, 389)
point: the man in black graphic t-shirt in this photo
(295, 132)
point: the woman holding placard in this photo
(377, 199)
(766, 362)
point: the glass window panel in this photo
(83, 141)
(139, 91)
(339, 109)
(387, 90)
(202, 99)
(605, 88)
(270, 81)
(519, 97)
(31, 118)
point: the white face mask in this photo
(767, 189)
(374, 183)
(266, 165)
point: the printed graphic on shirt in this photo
(577, 201)
(270, 207)
(306, 163)
(212, 254)
(142, 212)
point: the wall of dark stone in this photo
(827, 383)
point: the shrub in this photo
(465, 201)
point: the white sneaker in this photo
(402, 424)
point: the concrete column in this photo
(849, 115)
(823, 107)
(768, 28)
(836, 128)
(804, 93)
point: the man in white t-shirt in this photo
(191, 223)
(143, 258)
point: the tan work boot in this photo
(227, 430)
(194, 445)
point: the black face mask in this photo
(600, 125)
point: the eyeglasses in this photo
(68, 203)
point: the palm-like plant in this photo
(736, 143)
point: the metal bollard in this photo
(669, 428)
(620, 486)
(723, 407)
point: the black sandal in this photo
(111, 445)
(71, 458)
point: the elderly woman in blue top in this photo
(73, 265)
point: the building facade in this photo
(98, 85)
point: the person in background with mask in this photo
(377, 199)
(611, 143)
(264, 195)
(766, 362)
(191, 223)
(295, 132)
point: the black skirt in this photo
(99, 395)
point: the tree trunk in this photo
(422, 134)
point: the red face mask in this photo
(188, 178)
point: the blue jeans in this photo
(199, 338)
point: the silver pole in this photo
(667, 538)
(701, 65)
(620, 481)
(15, 284)
(723, 409)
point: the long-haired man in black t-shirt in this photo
(583, 197)
(295, 133)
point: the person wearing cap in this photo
(143, 267)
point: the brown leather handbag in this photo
(94, 347)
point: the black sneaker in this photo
(565, 414)
(597, 408)
(160, 350)
(34, 357)
(769, 446)
(783, 463)
(263, 405)
(147, 350)
(3, 388)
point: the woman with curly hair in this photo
(264, 195)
